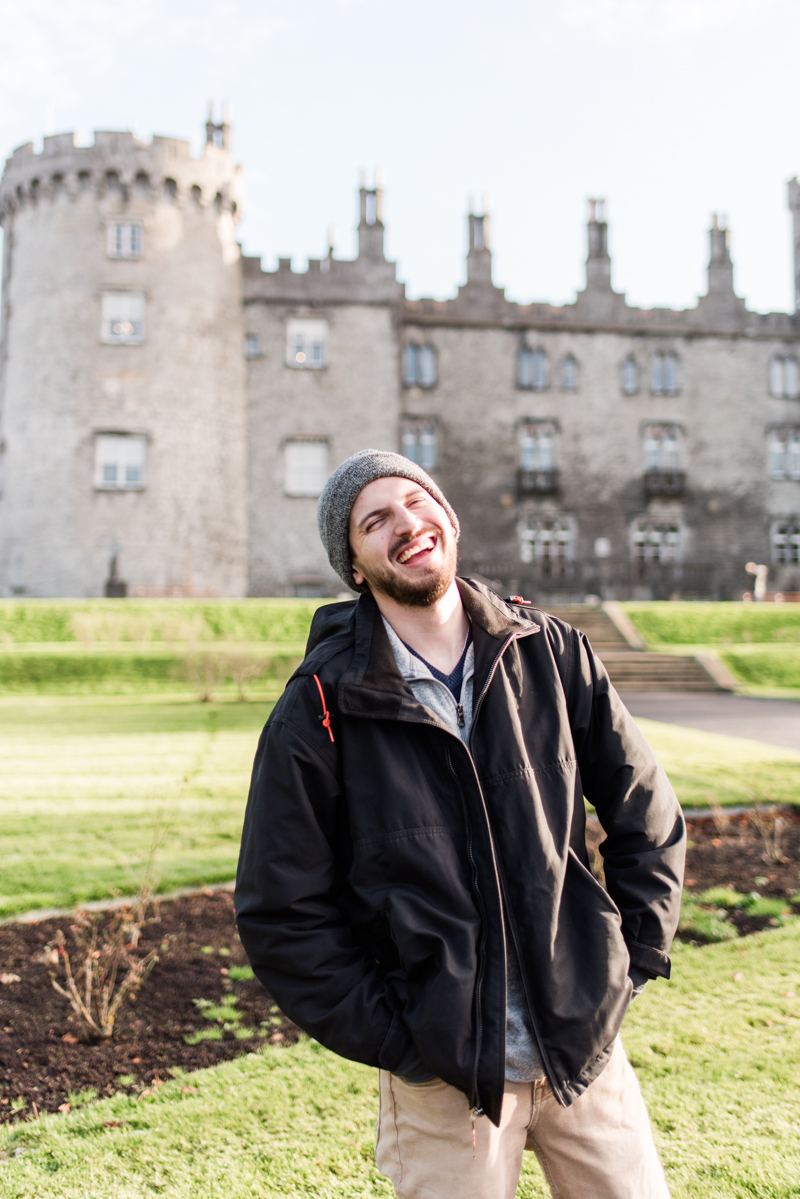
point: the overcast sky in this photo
(671, 109)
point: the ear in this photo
(358, 578)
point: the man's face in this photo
(402, 543)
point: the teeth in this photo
(427, 543)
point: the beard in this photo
(421, 592)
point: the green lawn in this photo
(707, 768)
(717, 1050)
(88, 788)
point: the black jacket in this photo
(375, 866)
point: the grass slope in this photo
(717, 1050)
(669, 623)
(87, 790)
(709, 768)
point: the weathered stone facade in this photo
(169, 393)
(589, 448)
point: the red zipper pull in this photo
(326, 716)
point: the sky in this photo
(669, 109)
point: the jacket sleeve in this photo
(645, 831)
(292, 930)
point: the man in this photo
(414, 888)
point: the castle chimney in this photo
(794, 205)
(218, 133)
(479, 256)
(370, 226)
(598, 262)
(720, 266)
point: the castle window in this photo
(123, 318)
(532, 369)
(548, 541)
(569, 374)
(536, 446)
(785, 538)
(420, 443)
(656, 541)
(119, 461)
(784, 378)
(662, 460)
(662, 448)
(252, 346)
(784, 454)
(630, 376)
(307, 344)
(125, 239)
(419, 365)
(305, 466)
(664, 375)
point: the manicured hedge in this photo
(123, 672)
(133, 620)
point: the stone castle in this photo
(169, 411)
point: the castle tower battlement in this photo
(121, 166)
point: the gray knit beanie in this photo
(342, 490)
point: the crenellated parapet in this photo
(120, 165)
(367, 279)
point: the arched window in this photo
(420, 443)
(630, 376)
(536, 446)
(419, 365)
(784, 454)
(569, 374)
(784, 378)
(662, 448)
(532, 369)
(664, 374)
(776, 378)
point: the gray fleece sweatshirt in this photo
(523, 1063)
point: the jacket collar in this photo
(373, 686)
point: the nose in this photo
(406, 522)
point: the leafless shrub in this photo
(208, 670)
(720, 817)
(771, 826)
(243, 668)
(109, 966)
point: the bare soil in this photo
(46, 1054)
(45, 1050)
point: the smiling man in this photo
(414, 888)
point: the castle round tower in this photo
(122, 391)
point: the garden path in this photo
(775, 721)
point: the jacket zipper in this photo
(482, 942)
(476, 709)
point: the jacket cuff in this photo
(396, 1044)
(654, 962)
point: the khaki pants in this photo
(601, 1147)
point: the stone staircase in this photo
(630, 667)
